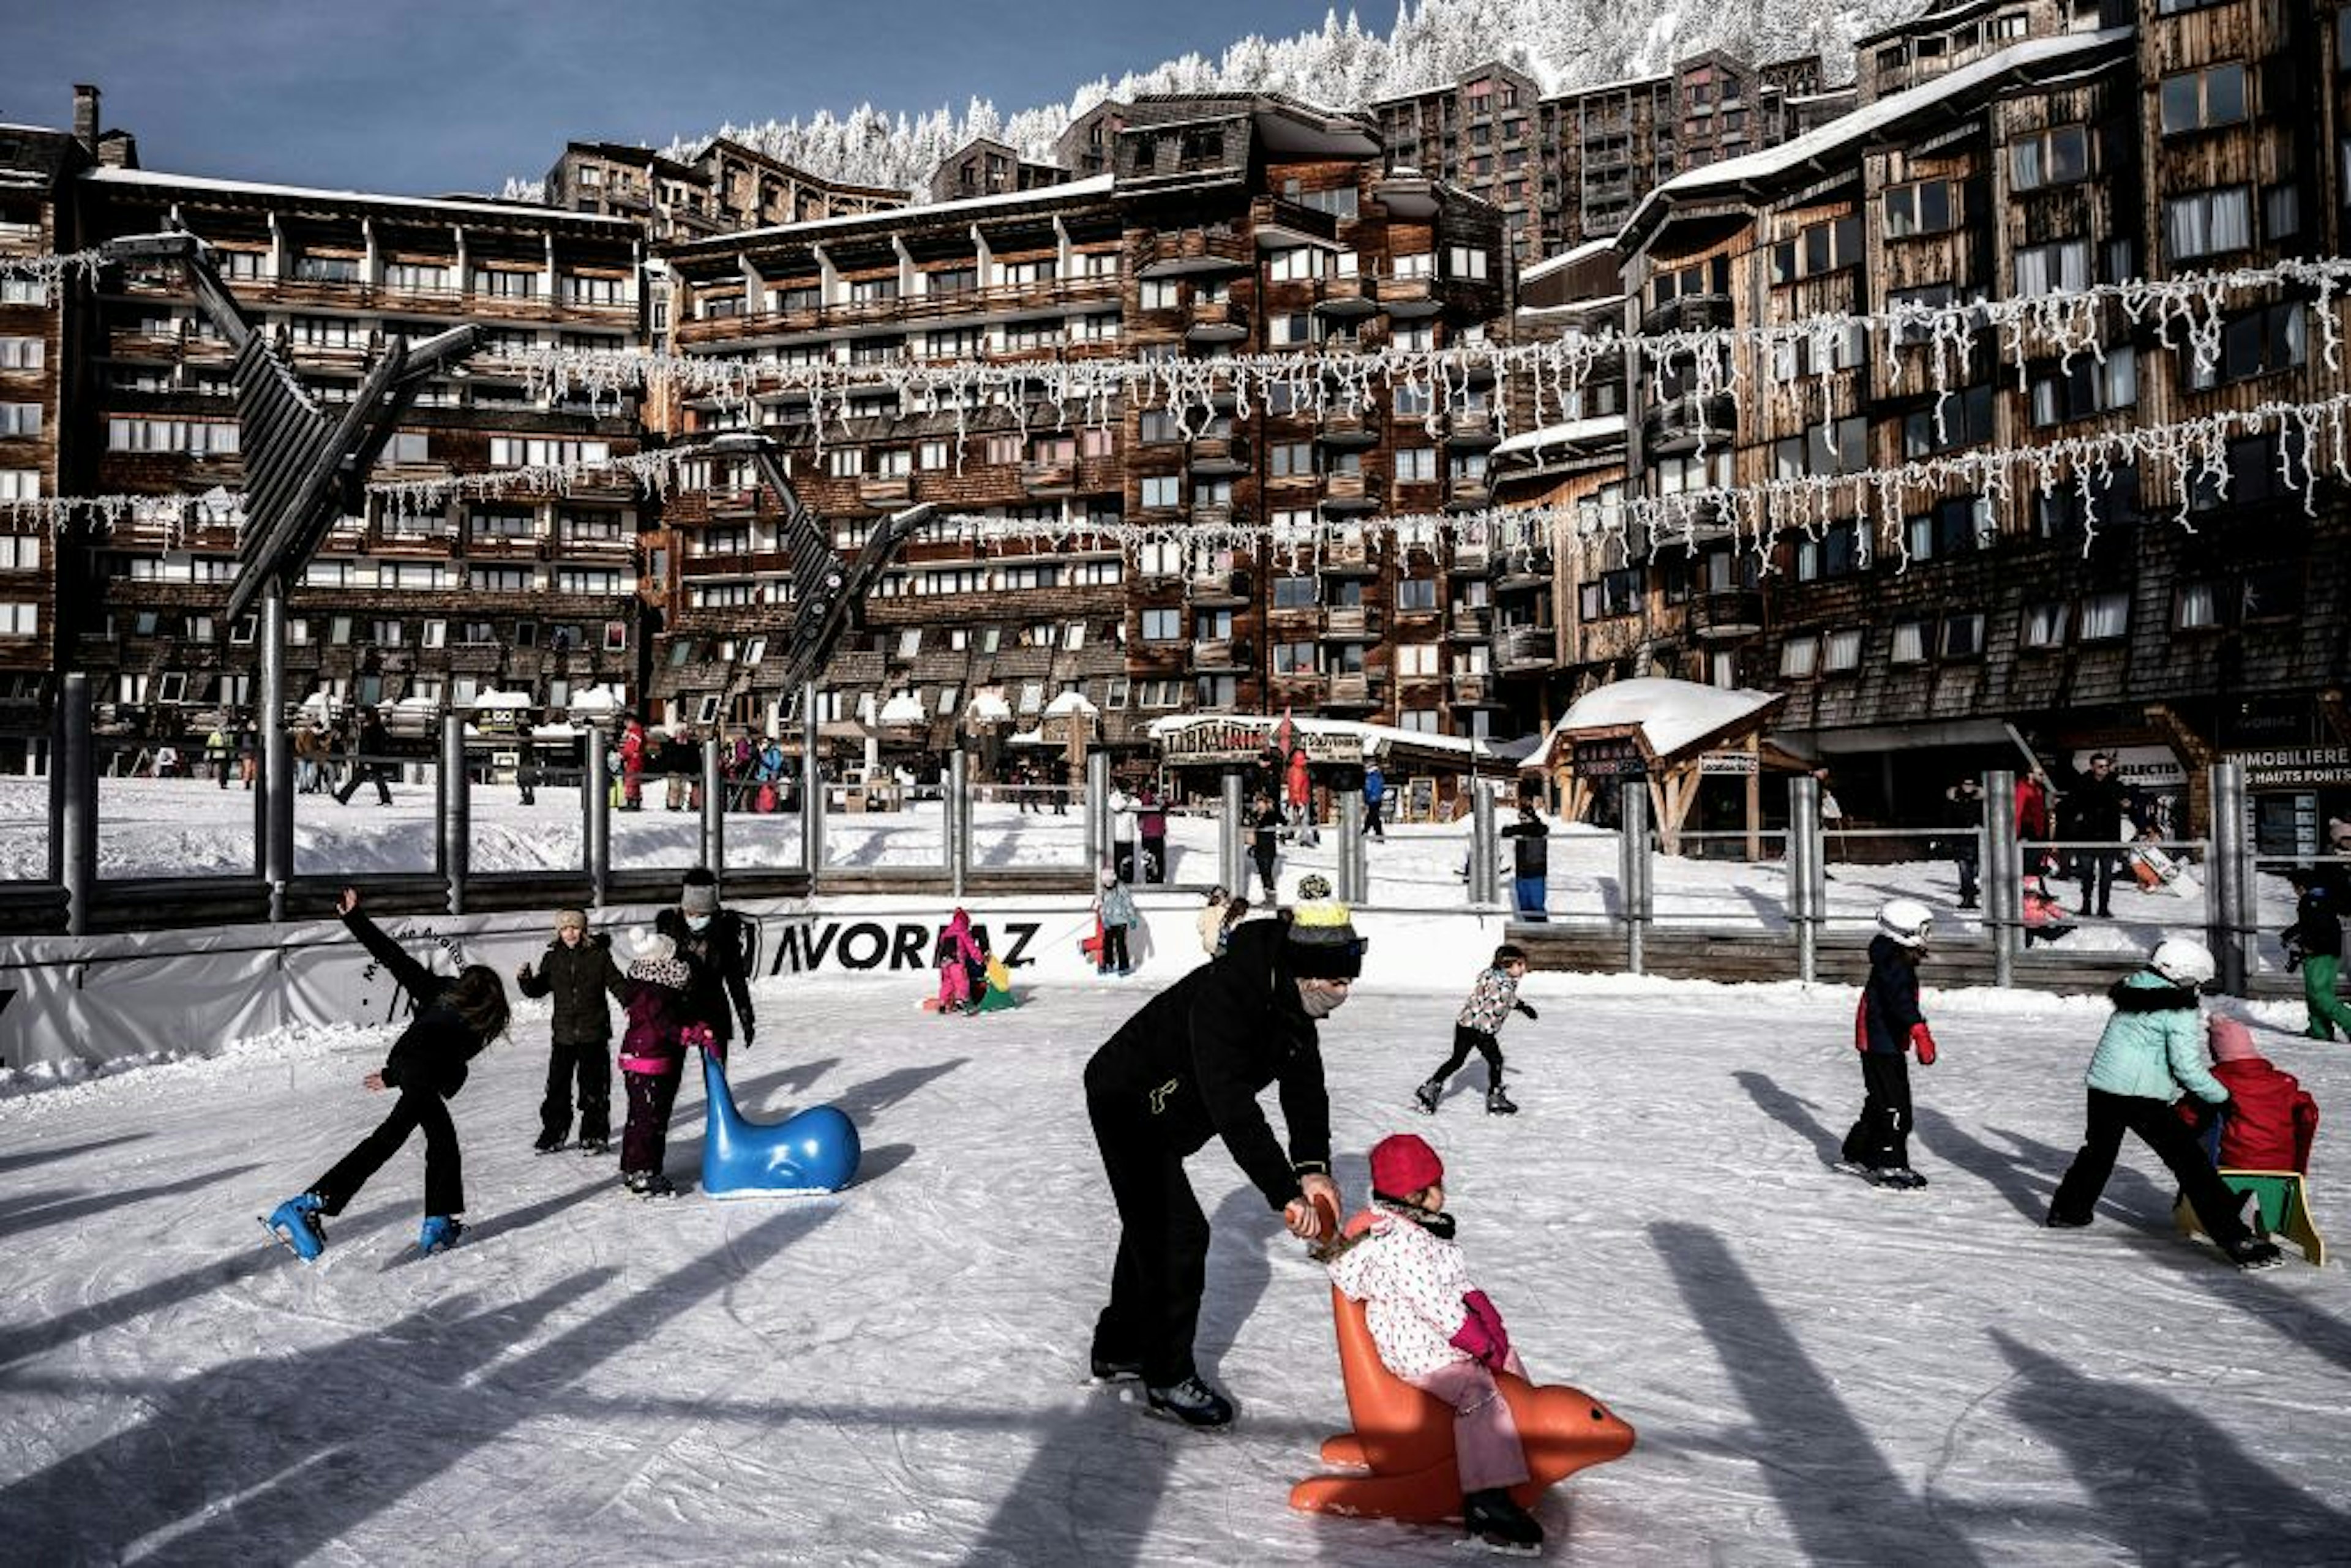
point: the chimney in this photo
(86, 117)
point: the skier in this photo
(2272, 1119)
(1114, 907)
(1887, 1026)
(1491, 1001)
(1438, 1331)
(2150, 1048)
(578, 967)
(2315, 941)
(1188, 1067)
(455, 1019)
(653, 1058)
(718, 944)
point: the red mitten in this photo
(1481, 1334)
(1860, 1021)
(1472, 1340)
(1923, 1042)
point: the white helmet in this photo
(2182, 962)
(1905, 920)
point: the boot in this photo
(2252, 1253)
(295, 1222)
(1192, 1402)
(1494, 1519)
(1427, 1095)
(1497, 1104)
(439, 1233)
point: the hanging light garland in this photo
(51, 271)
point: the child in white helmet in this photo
(1886, 1026)
(2151, 1048)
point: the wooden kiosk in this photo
(1675, 734)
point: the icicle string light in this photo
(51, 271)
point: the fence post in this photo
(2229, 881)
(713, 811)
(1351, 868)
(596, 807)
(1482, 843)
(1633, 868)
(1233, 834)
(456, 809)
(1099, 849)
(76, 852)
(1806, 890)
(955, 818)
(811, 789)
(2003, 872)
(274, 792)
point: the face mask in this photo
(696, 922)
(1319, 1003)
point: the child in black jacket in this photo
(578, 968)
(455, 1019)
(1887, 1026)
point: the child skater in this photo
(1115, 906)
(455, 1019)
(2151, 1048)
(963, 967)
(1438, 1332)
(1491, 1001)
(1887, 1026)
(2271, 1120)
(653, 1056)
(579, 969)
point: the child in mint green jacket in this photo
(2153, 1048)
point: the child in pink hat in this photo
(1437, 1330)
(2269, 1119)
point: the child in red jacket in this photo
(2269, 1119)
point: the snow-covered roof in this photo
(1566, 258)
(1672, 716)
(598, 699)
(989, 706)
(1863, 123)
(904, 708)
(505, 699)
(1070, 701)
(438, 204)
(1574, 430)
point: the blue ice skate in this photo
(296, 1223)
(439, 1234)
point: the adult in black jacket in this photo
(455, 1018)
(578, 970)
(716, 944)
(1966, 815)
(1189, 1067)
(1530, 839)
(2097, 805)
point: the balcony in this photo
(886, 490)
(1350, 623)
(1687, 424)
(1475, 689)
(1348, 429)
(1280, 224)
(1521, 571)
(1349, 557)
(1044, 479)
(1346, 297)
(1470, 427)
(1216, 322)
(1351, 691)
(1217, 589)
(1410, 296)
(1691, 313)
(1721, 615)
(1221, 656)
(1469, 495)
(1469, 558)
(1468, 624)
(1351, 494)
(1219, 456)
(1525, 649)
(1214, 249)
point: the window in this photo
(1926, 207)
(1295, 658)
(1465, 261)
(2059, 266)
(1211, 625)
(2104, 617)
(1841, 651)
(2113, 501)
(1952, 528)
(1814, 353)
(2196, 607)
(1300, 264)
(2058, 156)
(1835, 446)
(20, 421)
(1835, 553)
(845, 462)
(1963, 635)
(192, 437)
(2198, 100)
(2274, 338)
(22, 353)
(519, 452)
(1799, 657)
(499, 579)
(436, 633)
(20, 552)
(1417, 662)
(326, 269)
(1294, 592)
(1909, 642)
(20, 619)
(503, 284)
(616, 636)
(1415, 593)
(1962, 419)
(2281, 213)
(1163, 491)
(1163, 625)
(2058, 395)
(2044, 625)
(2272, 592)
(2208, 223)
(1290, 460)
(1616, 592)
(20, 483)
(1818, 248)
(1160, 294)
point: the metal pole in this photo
(596, 804)
(713, 811)
(2003, 872)
(1351, 868)
(78, 815)
(276, 787)
(456, 809)
(1482, 843)
(811, 789)
(1633, 867)
(2229, 886)
(1804, 859)
(955, 810)
(1098, 843)
(1233, 834)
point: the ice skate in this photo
(1427, 1095)
(296, 1223)
(1109, 1369)
(1192, 1402)
(548, 1143)
(2253, 1254)
(438, 1233)
(594, 1147)
(1496, 1521)
(1498, 1103)
(1900, 1178)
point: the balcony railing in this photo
(1220, 455)
(1350, 492)
(1049, 479)
(1287, 218)
(1470, 427)
(1691, 312)
(1209, 249)
(1345, 297)
(1349, 427)
(1526, 648)
(1469, 623)
(1723, 614)
(1350, 623)
(1216, 321)
(1686, 423)
(886, 489)
(1349, 691)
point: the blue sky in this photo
(417, 96)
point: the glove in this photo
(1922, 1040)
(1482, 1335)
(1531, 1014)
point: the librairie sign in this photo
(1225, 738)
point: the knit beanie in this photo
(1402, 1163)
(570, 920)
(1323, 943)
(698, 898)
(2232, 1041)
(653, 958)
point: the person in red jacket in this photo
(2269, 1119)
(2032, 818)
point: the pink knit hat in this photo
(2232, 1040)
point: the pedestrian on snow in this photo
(633, 748)
(682, 760)
(1966, 821)
(1188, 1067)
(2150, 1048)
(2033, 819)
(1151, 822)
(1434, 1329)
(2098, 808)
(2271, 1120)
(1264, 839)
(372, 744)
(1298, 784)
(653, 1058)
(1114, 907)
(248, 754)
(216, 751)
(1530, 839)
(305, 742)
(1886, 1026)
(962, 965)
(2315, 943)
(578, 970)
(526, 765)
(1491, 1001)
(1375, 794)
(1125, 814)
(1216, 919)
(717, 943)
(167, 761)
(455, 1018)
(1832, 814)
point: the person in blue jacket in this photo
(1375, 796)
(2152, 1048)
(1886, 1026)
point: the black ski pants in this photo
(1163, 1250)
(1880, 1139)
(1465, 1041)
(2159, 1127)
(445, 1174)
(588, 1063)
(1114, 959)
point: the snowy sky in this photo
(436, 96)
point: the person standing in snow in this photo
(2152, 1046)
(1188, 1067)
(1151, 822)
(578, 970)
(1966, 816)
(1265, 833)
(1434, 1329)
(1375, 794)
(2271, 1120)
(1125, 816)
(455, 1019)
(1530, 839)
(1114, 907)
(717, 942)
(1886, 1026)
(2315, 943)
(1491, 1001)
(653, 1059)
